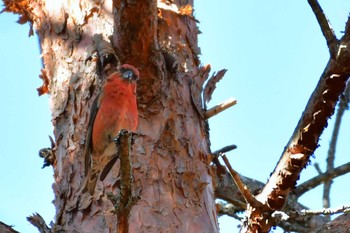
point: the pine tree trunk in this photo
(172, 186)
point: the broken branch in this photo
(125, 167)
(38, 221)
(224, 150)
(248, 196)
(228, 191)
(326, 27)
(219, 108)
(221, 169)
(211, 85)
(124, 201)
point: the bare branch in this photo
(326, 27)
(4, 228)
(224, 150)
(312, 183)
(125, 168)
(228, 191)
(123, 201)
(318, 169)
(39, 223)
(211, 85)
(248, 196)
(220, 168)
(342, 106)
(228, 209)
(304, 140)
(327, 211)
(219, 108)
(197, 84)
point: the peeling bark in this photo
(170, 182)
(4, 228)
(304, 140)
(171, 155)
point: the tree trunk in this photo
(172, 185)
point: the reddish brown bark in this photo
(171, 154)
(6, 229)
(304, 140)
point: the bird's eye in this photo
(127, 74)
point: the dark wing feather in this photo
(108, 167)
(88, 143)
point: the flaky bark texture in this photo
(170, 156)
(6, 228)
(305, 138)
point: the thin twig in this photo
(224, 150)
(326, 27)
(327, 211)
(221, 170)
(318, 169)
(314, 182)
(219, 108)
(343, 104)
(248, 196)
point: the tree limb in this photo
(221, 170)
(227, 209)
(342, 106)
(314, 182)
(326, 27)
(339, 224)
(228, 191)
(247, 195)
(4, 228)
(304, 140)
(327, 211)
(124, 201)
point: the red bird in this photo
(113, 110)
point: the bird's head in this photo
(129, 72)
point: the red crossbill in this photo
(113, 110)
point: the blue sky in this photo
(274, 52)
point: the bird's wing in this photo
(88, 143)
(111, 154)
